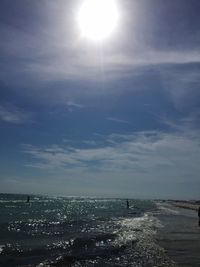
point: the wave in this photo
(166, 208)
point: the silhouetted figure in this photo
(199, 215)
(127, 204)
(28, 199)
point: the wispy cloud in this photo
(89, 65)
(71, 105)
(42, 57)
(14, 115)
(117, 120)
(181, 82)
(150, 155)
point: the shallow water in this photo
(58, 231)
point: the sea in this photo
(85, 231)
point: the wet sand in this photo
(186, 205)
(180, 236)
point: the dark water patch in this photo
(16, 257)
(87, 255)
(93, 241)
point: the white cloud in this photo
(71, 105)
(56, 52)
(147, 156)
(117, 120)
(113, 65)
(182, 85)
(14, 115)
(90, 142)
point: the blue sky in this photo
(120, 118)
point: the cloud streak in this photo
(13, 115)
(117, 120)
(155, 156)
(56, 51)
(71, 106)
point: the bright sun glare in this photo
(98, 18)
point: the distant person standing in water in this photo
(28, 199)
(127, 204)
(199, 215)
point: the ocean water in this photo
(58, 231)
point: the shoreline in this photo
(186, 205)
(180, 233)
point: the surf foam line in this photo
(165, 208)
(139, 236)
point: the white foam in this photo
(132, 229)
(166, 208)
(1, 248)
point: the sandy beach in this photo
(186, 205)
(180, 235)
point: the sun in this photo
(97, 19)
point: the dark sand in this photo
(186, 205)
(180, 236)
